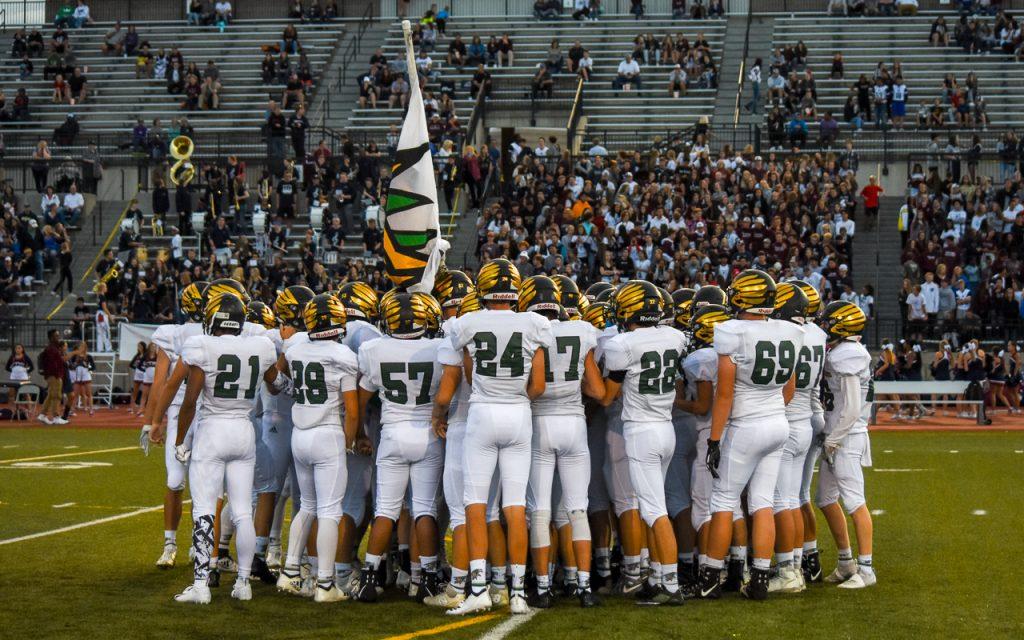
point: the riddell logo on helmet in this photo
(649, 318)
(765, 311)
(502, 296)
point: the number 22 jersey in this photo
(650, 356)
(765, 355)
(234, 368)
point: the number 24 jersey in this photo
(234, 368)
(321, 371)
(765, 354)
(651, 357)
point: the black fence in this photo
(32, 333)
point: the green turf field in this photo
(947, 546)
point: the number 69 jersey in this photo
(810, 361)
(406, 372)
(502, 345)
(765, 355)
(234, 368)
(650, 356)
(321, 371)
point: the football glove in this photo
(829, 452)
(144, 439)
(714, 457)
(182, 453)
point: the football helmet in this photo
(470, 304)
(451, 288)
(290, 305)
(498, 280)
(841, 320)
(360, 301)
(574, 302)
(324, 317)
(595, 291)
(599, 314)
(539, 294)
(433, 313)
(404, 315)
(751, 291)
(259, 313)
(668, 309)
(226, 285)
(790, 303)
(813, 298)
(682, 306)
(709, 294)
(638, 302)
(224, 313)
(191, 300)
(703, 323)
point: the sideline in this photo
(452, 626)
(505, 628)
(83, 525)
(67, 455)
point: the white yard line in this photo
(71, 446)
(979, 512)
(83, 525)
(64, 505)
(508, 626)
(67, 455)
(878, 512)
(900, 470)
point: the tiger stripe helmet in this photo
(599, 314)
(259, 313)
(709, 294)
(569, 296)
(470, 304)
(451, 288)
(539, 294)
(498, 280)
(224, 313)
(595, 291)
(324, 317)
(842, 320)
(702, 325)
(433, 313)
(682, 306)
(667, 308)
(221, 286)
(790, 303)
(813, 298)
(752, 291)
(405, 315)
(290, 305)
(638, 302)
(191, 300)
(360, 300)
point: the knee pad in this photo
(540, 529)
(176, 480)
(580, 524)
(238, 518)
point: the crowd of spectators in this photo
(974, 34)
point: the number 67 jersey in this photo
(765, 354)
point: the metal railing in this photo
(741, 80)
(574, 117)
(351, 53)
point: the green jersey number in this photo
(773, 363)
(486, 350)
(229, 370)
(395, 389)
(310, 382)
(809, 355)
(572, 346)
(658, 372)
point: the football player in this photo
(325, 415)
(505, 366)
(560, 436)
(642, 364)
(708, 294)
(847, 448)
(599, 292)
(756, 365)
(170, 339)
(791, 305)
(403, 367)
(228, 371)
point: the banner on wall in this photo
(130, 336)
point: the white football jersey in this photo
(563, 391)
(701, 366)
(849, 358)
(296, 338)
(810, 362)
(650, 356)
(321, 371)
(171, 338)
(357, 332)
(764, 352)
(253, 329)
(502, 345)
(406, 373)
(282, 402)
(458, 410)
(615, 408)
(234, 368)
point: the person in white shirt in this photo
(49, 199)
(627, 74)
(74, 203)
(677, 82)
(958, 216)
(223, 11)
(542, 148)
(586, 66)
(1011, 212)
(930, 292)
(848, 224)
(81, 16)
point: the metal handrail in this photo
(574, 116)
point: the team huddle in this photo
(626, 441)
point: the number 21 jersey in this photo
(321, 371)
(234, 368)
(765, 355)
(650, 356)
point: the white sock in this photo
(846, 555)
(670, 577)
(415, 572)
(459, 578)
(326, 548)
(784, 559)
(763, 564)
(571, 574)
(498, 575)
(798, 556)
(429, 564)
(602, 561)
(738, 553)
(543, 582)
(170, 537)
(245, 545)
(297, 534)
(372, 561)
(478, 574)
(518, 578)
(811, 546)
(654, 577)
(864, 563)
(584, 580)
(631, 565)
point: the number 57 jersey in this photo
(765, 354)
(321, 371)
(407, 374)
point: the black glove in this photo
(714, 457)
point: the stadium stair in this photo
(884, 274)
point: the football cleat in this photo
(448, 598)
(628, 585)
(241, 590)
(308, 587)
(588, 599)
(843, 572)
(368, 587)
(757, 587)
(498, 594)
(860, 580)
(661, 596)
(472, 604)
(647, 591)
(428, 588)
(261, 570)
(195, 594)
(274, 556)
(517, 604)
(811, 566)
(227, 565)
(734, 576)
(329, 592)
(541, 599)
(290, 581)
(213, 580)
(170, 553)
(709, 584)
(787, 581)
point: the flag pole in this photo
(410, 59)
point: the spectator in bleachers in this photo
(192, 92)
(176, 79)
(398, 92)
(481, 82)
(636, 7)
(627, 74)
(754, 76)
(907, 7)
(678, 9)
(41, 165)
(289, 40)
(78, 87)
(556, 59)
(796, 130)
(506, 51)
(677, 82)
(586, 66)
(298, 125)
(476, 52)
(60, 89)
(196, 15)
(222, 12)
(81, 16)
(542, 81)
(547, 9)
(113, 41)
(457, 52)
(74, 206)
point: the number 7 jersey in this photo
(234, 368)
(651, 358)
(765, 355)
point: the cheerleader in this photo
(1012, 363)
(885, 369)
(972, 363)
(138, 373)
(148, 370)
(82, 366)
(995, 370)
(19, 365)
(941, 367)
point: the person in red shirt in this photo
(53, 367)
(871, 193)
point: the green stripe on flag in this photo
(399, 201)
(411, 239)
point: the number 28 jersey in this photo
(234, 368)
(406, 372)
(321, 371)
(501, 344)
(651, 357)
(765, 355)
